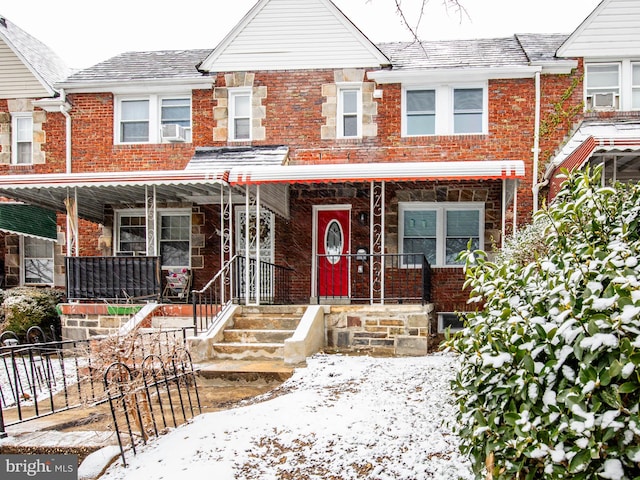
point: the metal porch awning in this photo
(28, 220)
(94, 190)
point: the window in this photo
(239, 114)
(349, 117)
(439, 231)
(603, 85)
(37, 259)
(132, 234)
(22, 139)
(467, 110)
(450, 321)
(174, 236)
(421, 112)
(153, 119)
(635, 86)
(444, 110)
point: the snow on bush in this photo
(549, 381)
(24, 307)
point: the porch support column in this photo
(226, 240)
(150, 203)
(376, 239)
(250, 223)
(71, 205)
(515, 207)
(504, 212)
(257, 276)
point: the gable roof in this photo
(29, 68)
(611, 30)
(289, 35)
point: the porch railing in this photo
(229, 285)
(373, 278)
(118, 279)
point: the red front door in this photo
(332, 244)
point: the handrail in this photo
(217, 275)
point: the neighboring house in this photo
(608, 41)
(32, 125)
(365, 168)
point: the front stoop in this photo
(258, 334)
(246, 370)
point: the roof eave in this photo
(459, 73)
(138, 85)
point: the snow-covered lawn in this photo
(341, 417)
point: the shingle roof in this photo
(44, 61)
(164, 64)
(478, 53)
(227, 157)
(541, 47)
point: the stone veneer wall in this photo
(392, 329)
(39, 136)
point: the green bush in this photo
(25, 307)
(549, 384)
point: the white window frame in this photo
(139, 212)
(340, 113)
(233, 93)
(405, 111)
(444, 107)
(441, 240)
(16, 118)
(635, 87)
(24, 259)
(616, 89)
(154, 117)
(441, 326)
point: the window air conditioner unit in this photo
(174, 133)
(603, 101)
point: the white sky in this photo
(83, 33)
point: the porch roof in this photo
(28, 220)
(367, 172)
(95, 190)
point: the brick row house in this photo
(353, 172)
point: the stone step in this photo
(296, 310)
(265, 322)
(232, 335)
(245, 370)
(171, 322)
(248, 351)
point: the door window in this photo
(334, 242)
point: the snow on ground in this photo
(341, 417)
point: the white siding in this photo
(16, 80)
(291, 34)
(612, 30)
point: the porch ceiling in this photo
(94, 191)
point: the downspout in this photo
(65, 111)
(536, 145)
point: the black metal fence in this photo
(46, 377)
(146, 401)
(373, 278)
(268, 282)
(117, 279)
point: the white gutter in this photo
(462, 73)
(64, 109)
(536, 146)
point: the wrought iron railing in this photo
(373, 278)
(47, 377)
(117, 279)
(268, 285)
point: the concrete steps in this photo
(258, 333)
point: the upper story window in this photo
(22, 139)
(444, 110)
(239, 114)
(349, 114)
(439, 231)
(635, 86)
(153, 119)
(602, 83)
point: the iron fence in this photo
(148, 400)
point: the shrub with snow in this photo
(25, 307)
(549, 384)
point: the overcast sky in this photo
(83, 33)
